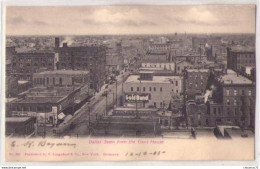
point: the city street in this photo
(96, 107)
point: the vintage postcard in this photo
(124, 83)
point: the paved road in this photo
(95, 107)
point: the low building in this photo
(197, 113)
(61, 78)
(44, 103)
(147, 90)
(19, 126)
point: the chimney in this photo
(65, 44)
(57, 43)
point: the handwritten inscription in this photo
(44, 144)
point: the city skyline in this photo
(120, 20)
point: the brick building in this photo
(148, 90)
(234, 100)
(240, 58)
(24, 64)
(91, 58)
(61, 78)
(196, 81)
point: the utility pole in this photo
(116, 93)
(44, 122)
(89, 119)
(106, 103)
(113, 100)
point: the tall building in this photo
(196, 82)
(24, 64)
(240, 58)
(234, 100)
(91, 58)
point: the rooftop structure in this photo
(234, 78)
(156, 79)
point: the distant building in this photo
(196, 82)
(91, 58)
(26, 63)
(240, 58)
(233, 100)
(147, 90)
(211, 40)
(182, 65)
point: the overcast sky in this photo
(130, 19)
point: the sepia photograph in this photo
(130, 79)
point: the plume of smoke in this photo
(208, 93)
(69, 40)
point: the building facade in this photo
(61, 78)
(239, 59)
(91, 58)
(196, 81)
(26, 63)
(149, 91)
(234, 100)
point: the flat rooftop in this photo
(64, 72)
(16, 119)
(49, 91)
(243, 49)
(198, 70)
(233, 78)
(156, 79)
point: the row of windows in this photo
(33, 108)
(150, 89)
(42, 81)
(235, 102)
(235, 92)
(229, 111)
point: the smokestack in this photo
(57, 43)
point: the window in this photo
(236, 111)
(249, 92)
(228, 102)
(235, 102)
(215, 111)
(243, 92)
(150, 88)
(137, 89)
(132, 89)
(47, 80)
(161, 105)
(227, 92)
(154, 89)
(154, 104)
(144, 89)
(176, 83)
(235, 92)
(60, 81)
(161, 89)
